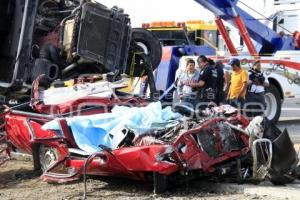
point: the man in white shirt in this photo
(186, 78)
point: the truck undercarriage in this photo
(65, 39)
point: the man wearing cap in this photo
(238, 83)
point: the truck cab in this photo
(169, 33)
(191, 32)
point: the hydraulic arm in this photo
(269, 40)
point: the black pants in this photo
(255, 102)
(236, 102)
(220, 97)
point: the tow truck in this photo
(279, 54)
(178, 39)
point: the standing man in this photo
(220, 96)
(207, 84)
(238, 84)
(185, 79)
(256, 89)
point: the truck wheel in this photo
(143, 41)
(273, 104)
(47, 156)
(159, 183)
(281, 179)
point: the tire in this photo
(281, 179)
(47, 156)
(143, 41)
(273, 104)
(296, 172)
(159, 183)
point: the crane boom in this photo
(269, 40)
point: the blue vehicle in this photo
(189, 38)
(275, 51)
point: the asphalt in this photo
(290, 118)
(290, 110)
(289, 191)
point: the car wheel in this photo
(159, 183)
(47, 156)
(273, 104)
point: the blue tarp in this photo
(92, 130)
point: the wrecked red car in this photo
(92, 128)
(150, 142)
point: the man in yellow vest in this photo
(238, 84)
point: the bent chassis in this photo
(201, 149)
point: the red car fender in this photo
(131, 162)
(145, 158)
(18, 133)
(104, 164)
(128, 160)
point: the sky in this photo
(141, 11)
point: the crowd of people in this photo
(214, 84)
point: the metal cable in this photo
(87, 162)
(266, 18)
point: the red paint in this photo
(166, 53)
(197, 159)
(132, 162)
(297, 39)
(226, 37)
(67, 132)
(74, 107)
(245, 35)
(287, 63)
(18, 132)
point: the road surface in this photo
(290, 118)
(290, 109)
